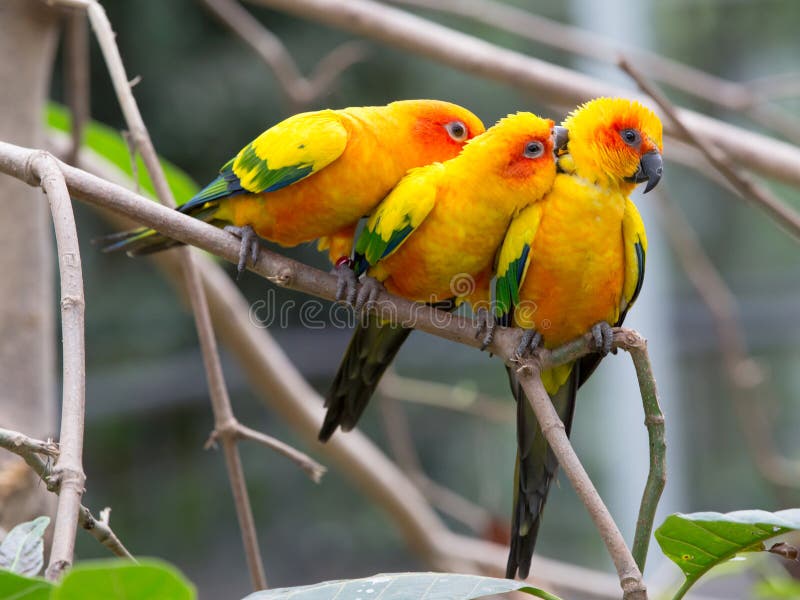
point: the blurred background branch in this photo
(300, 91)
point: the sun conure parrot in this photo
(571, 263)
(314, 175)
(438, 229)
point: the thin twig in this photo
(30, 450)
(654, 421)
(43, 170)
(630, 576)
(398, 433)
(549, 83)
(299, 91)
(448, 397)
(721, 92)
(746, 378)
(761, 197)
(76, 74)
(241, 432)
(220, 402)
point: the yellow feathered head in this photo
(517, 152)
(616, 139)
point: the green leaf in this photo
(108, 143)
(778, 589)
(17, 587)
(699, 541)
(117, 579)
(22, 550)
(402, 586)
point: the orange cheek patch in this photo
(520, 168)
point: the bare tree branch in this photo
(553, 84)
(443, 396)
(43, 170)
(747, 381)
(241, 432)
(224, 420)
(299, 91)
(76, 75)
(30, 450)
(700, 84)
(760, 196)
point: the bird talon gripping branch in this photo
(603, 337)
(346, 281)
(486, 327)
(249, 245)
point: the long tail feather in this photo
(535, 468)
(372, 349)
(146, 241)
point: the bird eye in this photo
(630, 137)
(457, 130)
(533, 149)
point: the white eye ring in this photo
(457, 130)
(630, 137)
(533, 149)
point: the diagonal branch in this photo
(760, 196)
(721, 92)
(550, 83)
(300, 91)
(241, 432)
(746, 378)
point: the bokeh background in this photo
(203, 95)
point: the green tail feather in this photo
(535, 468)
(147, 241)
(372, 349)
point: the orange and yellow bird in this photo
(441, 225)
(314, 175)
(572, 263)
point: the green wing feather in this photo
(397, 216)
(514, 259)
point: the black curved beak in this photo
(560, 138)
(651, 167)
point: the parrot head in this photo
(434, 130)
(616, 140)
(517, 152)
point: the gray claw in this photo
(346, 282)
(368, 293)
(486, 327)
(249, 246)
(603, 337)
(528, 343)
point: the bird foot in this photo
(486, 327)
(346, 281)
(368, 293)
(249, 246)
(528, 343)
(603, 337)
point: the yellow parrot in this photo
(438, 229)
(314, 175)
(571, 263)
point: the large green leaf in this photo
(17, 587)
(108, 143)
(699, 541)
(403, 586)
(22, 550)
(116, 579)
